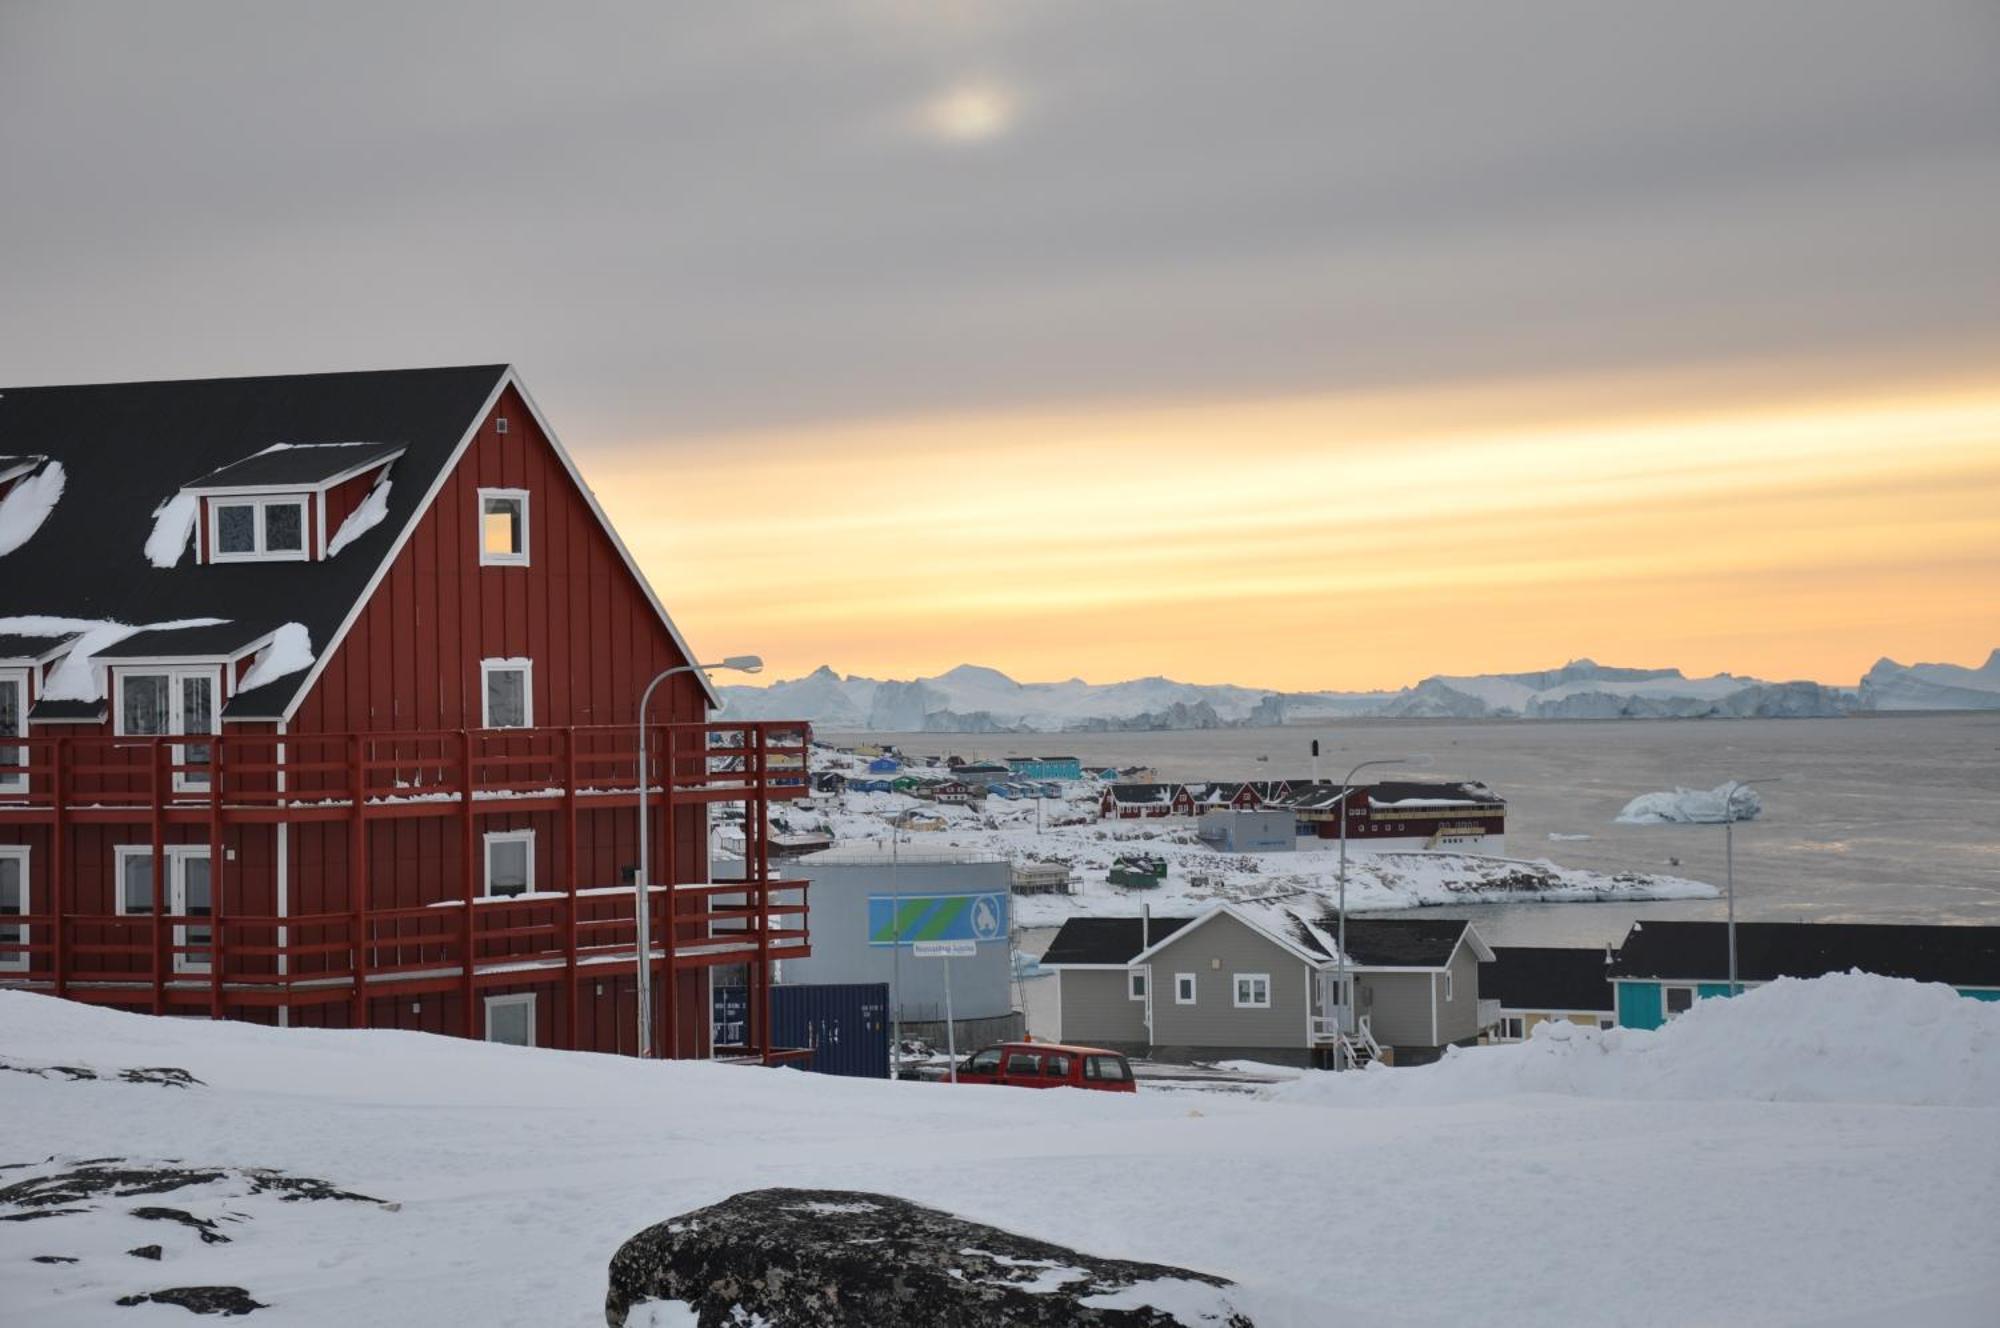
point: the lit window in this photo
(508, 696)
(510, 863)
(258, 529)
(503, 527)
(511, 1019)
(159, 702)
(1253, 991)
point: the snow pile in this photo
(290, 650)
(1849, 1037)
(1684, 806)
(362, 519)
(76, 677)
(28, 504)
(173, 524)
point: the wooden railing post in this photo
(216, 912)
(669, 872)
(470, 1022)
(357, 878)
(570, 1022)
(59, 868)
(760, 773)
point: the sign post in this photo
(945, 950)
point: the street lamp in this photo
(641, 912)
(1729, 819)
(1340, 960)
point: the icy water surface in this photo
(1884, 818)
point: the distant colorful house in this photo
(1465, 816)
(1538, 984)
(1131, 802)
(1045, 767)
(884, 765)
(1663, 968)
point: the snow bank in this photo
(173, 524)
(1692, 807)
(1850, 1037)
(362, 519)
(290, 650)
(28, 504)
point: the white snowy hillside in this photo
(1778, 1159)
(1893, 686)
(973, 699)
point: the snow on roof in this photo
(363, 518)
(173, 524)
(78, 677)
(290, 650)
(27, 505)
(305, 464)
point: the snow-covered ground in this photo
(1066, 830)
(1814, 1153)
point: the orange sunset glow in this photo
(1360, 542)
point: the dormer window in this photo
(503, 527)
(258, 529)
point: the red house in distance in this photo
(318, 699)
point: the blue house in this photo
(1045, 767)
(1663, 968)
(884, 765)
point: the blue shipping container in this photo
(845, 1025)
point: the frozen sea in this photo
(1879, 818)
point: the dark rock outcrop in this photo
(842, 1259)
(111, 1177)
(167, 1076)
(223, 1300)
(153, 1252)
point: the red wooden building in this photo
(318, 699)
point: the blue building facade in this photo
(1046, 767)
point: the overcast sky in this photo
(691, 221)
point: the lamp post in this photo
(1729, 859)
(641, 910)
(1346, 1006)
(898, 826)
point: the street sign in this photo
(945, 949)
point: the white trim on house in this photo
(17, 961)
(489, 558)
(1237, 981)
(493, 837)
(510, 1000)
(1108, 968)
(215, 670)
(260, 502)
(1138, 983)
(14, 781)
(1192, 988)
(516, 664)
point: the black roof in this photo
(1388, 942)
(1107, 940)
(128, 447)
(14, 646)
(219, 639)
(1547, 977)
(284, 465)
(1398, 790)
(1143, 792)
(1960, 956)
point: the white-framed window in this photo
(1184, 989)
(189, 894)
(503, 527)
(1511, 1028)
(152, 701)
(1135, 984)
(1253, 991)
(510, 863)
(1447, 984)
(1679, 1000)
(13, 724)
(13, 904)
(511, 1019)
(1605, 1022)
(506, 693)
(257, 529)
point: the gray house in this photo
(1228, 983)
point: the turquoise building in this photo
(1045, 767)
(1663, 968)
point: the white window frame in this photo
(176, 886)
(15, 781)
(487, 558)
(1449, 986)
(261, 552)
(1187, 980)
(1694, 996)
(1236, 991)
(493, 837)
(1135, 984)
(489, 667)
(522, 998)
(18, 961)
(185, 781)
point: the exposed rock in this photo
(54, 1258)
(152, 1252)
(204, 1227)
(167, 1076)
(113, 1177)
(223, 1300)
(842, 1259)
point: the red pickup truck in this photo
(1049, 1065)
